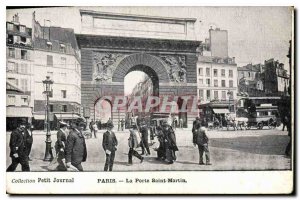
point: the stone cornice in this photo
(135, 17)
(130, 43)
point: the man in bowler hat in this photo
(109, 144)
(19, 147)
(76, 151)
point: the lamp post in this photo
(47, 89)
(230, 96)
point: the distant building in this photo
(250, 80)
(216, 73)
(218, 42)
(56, 55)
(276, 78)
(143, 89)
(19, 72)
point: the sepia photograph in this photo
(148, 90)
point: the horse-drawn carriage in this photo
(261, 116)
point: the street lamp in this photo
(47, 90)
(230, 96)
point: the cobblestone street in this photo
(230, 150)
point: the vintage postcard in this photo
(150, 100)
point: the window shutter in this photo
(18, 53)
(16, 67)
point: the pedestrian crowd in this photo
(71, 149)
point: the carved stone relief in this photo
(176, 68)
(104, 66)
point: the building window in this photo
(216, 95)
(215, 83)
(208, 82)
(224, 95)
(63, 62)
(23, 40)
(51, 107)
(24, 84)
(13, 81)
(223, 83)
(16, 39)
(24, 54)
(12, 67)
(201, 94)
(207, 72)
(200, 81)
(208, 94)
(49, 60)
(11, 100)
(11, 52)
(10, 26)
(223, 72)
(63, 94)
(22, 29)
(200, 71)
(242, 74)
(215, 72)
(63, 48)
(10, 39)
(230, 73)
(64, 108)
(24, 68)
(249, 74)
(230, 83)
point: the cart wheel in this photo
(260, 125)
(248, 126)
(271, 124)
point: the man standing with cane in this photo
(109, 144)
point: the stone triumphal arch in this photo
(112, 45)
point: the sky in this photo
(255, 34)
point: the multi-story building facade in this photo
(276, 78)
(19, 72)
(32, 54)
(250, 81)
(216, 76)
(56, 56)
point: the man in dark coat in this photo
(19, 148)
(170, 142)
(29, 139)
(122, 124)
(201, 140)
(161, 150)
(109, 144)
(76, 152)
(194, 127)
(60, 146)
(144, 139)
(133, 144)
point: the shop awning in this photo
(39, 116)
(220, 110)
(67, 116)
(18, 112)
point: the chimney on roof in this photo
(16, 19)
